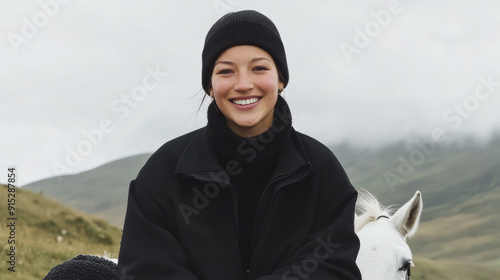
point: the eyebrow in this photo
(232, 63)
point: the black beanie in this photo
(84, 267)
(242, 28)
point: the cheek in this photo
(220, 87)
(269, 85)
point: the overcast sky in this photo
(363, 72)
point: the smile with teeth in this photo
(245, 101)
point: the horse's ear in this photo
(407, 217)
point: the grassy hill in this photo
(461, 194)
(460, 184)
(40, 223)
(101, 191)
(427, 269)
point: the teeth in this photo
(245, 101)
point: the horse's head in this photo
(384, 253)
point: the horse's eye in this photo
(406, 265)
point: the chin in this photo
(246, 125)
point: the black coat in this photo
(181, 220)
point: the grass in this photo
(40, 221)
(428, 269)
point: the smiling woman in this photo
(246, 197)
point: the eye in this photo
(260, 68)
(224, 71)
(407, 264)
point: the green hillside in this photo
(101, 191)
(461, 194)
(48, 233)
(427, 269)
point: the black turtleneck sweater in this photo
(256, 158)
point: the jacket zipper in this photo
(264, 221)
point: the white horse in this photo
(384, 253)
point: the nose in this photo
(244, 82)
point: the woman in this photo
(246, 197)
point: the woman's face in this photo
(245, 86)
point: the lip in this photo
(246, 107)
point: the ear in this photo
(281, 87)
(407, 217)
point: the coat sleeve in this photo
(332, 247)
(148, 250)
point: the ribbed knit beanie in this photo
(84, 267)
(242, 28)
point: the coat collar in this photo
(199, 160)
(198, 156)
